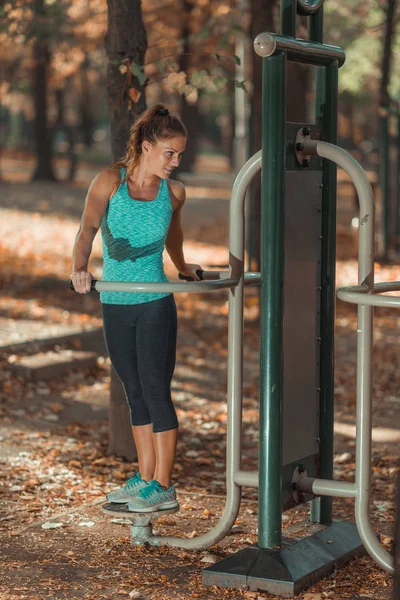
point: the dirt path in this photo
(54, 468)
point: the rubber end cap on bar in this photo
(264, 44)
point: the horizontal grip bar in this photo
(305, 51)
(327, 487)
(165, 286)
(247, 478)
(209, 283)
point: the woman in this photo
(139, 211)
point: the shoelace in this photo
(150, 490)
(132, 481)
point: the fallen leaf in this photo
(209, 558)
(52, 525)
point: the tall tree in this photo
(62, 125)
(384, 99)
(42, 136)
(388, 206)
(125, 42)
(190, 114)
(126, 45)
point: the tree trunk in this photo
(388, 206)
(125, 41)
(384, 99)
(61, 125)
(44, 169)
(261, 20)
(189, 112)
(86, 108)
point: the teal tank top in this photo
(134, 234)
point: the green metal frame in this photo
(271, 307)
(327, 93)
(328, 60)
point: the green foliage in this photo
(241, 85)
(138, 72)
(220, 82)
(44, 20)
(358, 27)
(360, 66)
(199, 79)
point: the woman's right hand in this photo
(82, 281)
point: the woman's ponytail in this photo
(153, 124)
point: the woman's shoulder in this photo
(108, 176)
(178, 190)
(107, 181)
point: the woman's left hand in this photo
(190, 271)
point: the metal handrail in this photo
(212, 281)
(364, 292)
(357, 294)
(168, 286)
(235, 367)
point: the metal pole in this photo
(316, 26)
(327, 93)
(384, 182)
(288, 17)
(271, 300)
(397, 217)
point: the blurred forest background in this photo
(198, 58)
(74, 74)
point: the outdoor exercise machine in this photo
(297, 296)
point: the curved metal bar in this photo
(364, 346)
(356, 295)
(194, 287)
(365, 198)
(309, 7)
(235, 367)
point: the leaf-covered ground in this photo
(54, 470)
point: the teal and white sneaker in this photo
(153, 497)
(129, 491)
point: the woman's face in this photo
(165, 155)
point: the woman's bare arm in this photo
(100, 191)
(174, 241)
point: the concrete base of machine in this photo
(288, 570)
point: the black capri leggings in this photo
(141, 343)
